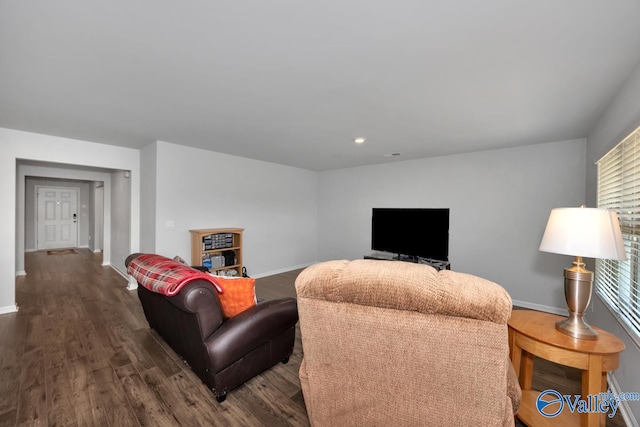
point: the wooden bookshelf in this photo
(208, 244)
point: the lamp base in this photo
(578, 282)
(576, 327)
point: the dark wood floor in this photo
(79, 352)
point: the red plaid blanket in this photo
(165, 276)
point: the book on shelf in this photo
(217, 241)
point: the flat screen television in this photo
(411, 233)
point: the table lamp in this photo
(581, 232)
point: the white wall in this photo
(622, 117)
(18, 145)
(275, 204)
(92, 216)
(120, 219)
(148, 182)
(96, 213)
(499, 200)
(98, 206)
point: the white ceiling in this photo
(293, 82)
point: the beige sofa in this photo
(394, 343)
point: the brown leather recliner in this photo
(224, 353)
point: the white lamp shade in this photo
(586, 232)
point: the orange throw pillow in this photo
(238, 294)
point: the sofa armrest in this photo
(250, 329)
(131, 257)
(514, 393)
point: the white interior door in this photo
(57, 217)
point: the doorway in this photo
(57, 217)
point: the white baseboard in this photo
(21, 273)
(133, 284)
(540, 307)
(125, 275)
(83, 247)
(30, 250)
(625, 411)
(97, 251)
(281, 270)
(9, 309)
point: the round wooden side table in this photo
(533, 333)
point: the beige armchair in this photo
(395, 343)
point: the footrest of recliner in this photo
(249, 330)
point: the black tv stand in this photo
(388, 256)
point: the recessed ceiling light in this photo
(359, 140)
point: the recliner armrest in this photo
(249, 329)
(131, 257)
(514, 393)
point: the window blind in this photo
(619, 189)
